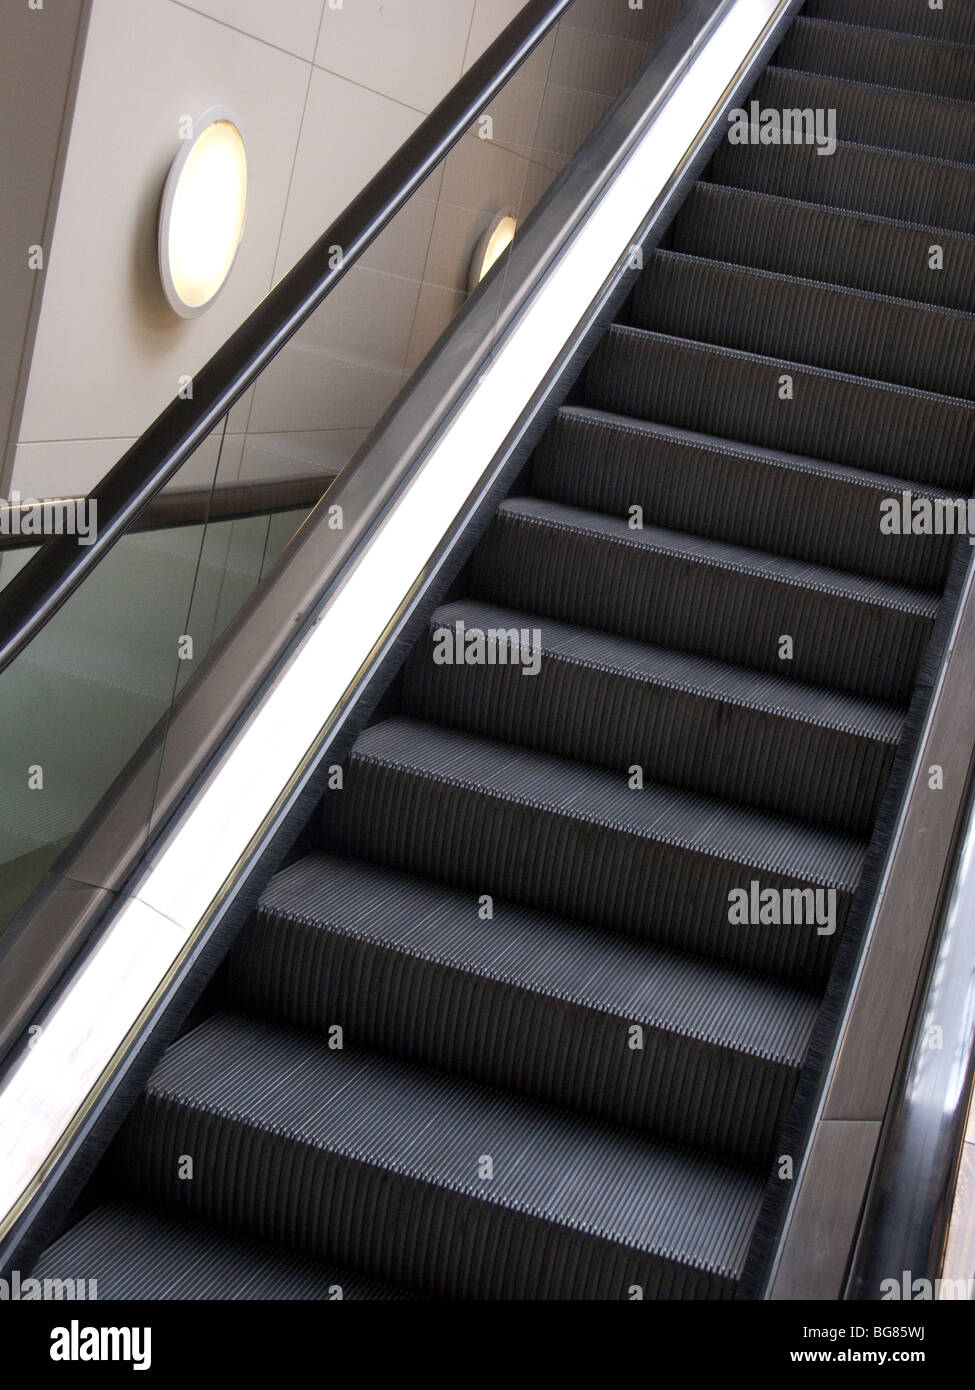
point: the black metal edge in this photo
(40, 1223)
(44, 584)
(107, 851)
(904, 1227)
(827, 1030)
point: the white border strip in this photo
(110, 991)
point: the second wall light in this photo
(491, 246)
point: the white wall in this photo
(39, 51)
(325, 95)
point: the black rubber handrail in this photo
(36, 593)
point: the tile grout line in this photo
(284, 212)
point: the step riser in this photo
(138, 1252)
(706, 489)
(676, 1088)
(953, 24)
(581, 578)
(836, 418)
(588, 871)
(817, 243)
(836, 50)
(383, 1223)
(858, 179)
(444, 1244)
(866, 115)
(842, 331)
(718, 748)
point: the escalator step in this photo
(835, 247)
(536, 1004)
(382, 1165)
(861, 635)
(736, 395)
(740, 493)
(955, 23)
(869, 55)
(884, 117)
(845, 330)
(576, 841)
(859, 178)
(138, 1252)
(724, 731)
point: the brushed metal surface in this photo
(816, 1245)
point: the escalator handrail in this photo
(36, 593)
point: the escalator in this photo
(495, 1030)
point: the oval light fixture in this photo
(492, 244)
(201, 218)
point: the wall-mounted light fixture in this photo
(492, 244)
(201, 218)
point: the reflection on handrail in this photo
(189, 506)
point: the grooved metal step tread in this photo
(372, 1161)
(859, 178)
(132, 1251)
(934, 127)
(854, 632)
(744, 494)
(953, 24)
(872, 425)
(875, 254)
(836, 49)
(538, 1004)
(530, 950)
(682, 672)
(682, 820)
(863, 589)
(845, 330)
(726, 731)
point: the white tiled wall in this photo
(109, 351)
(288, 24)
(402, 49)
(326, 91)
(347, 134)
(488, 21)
